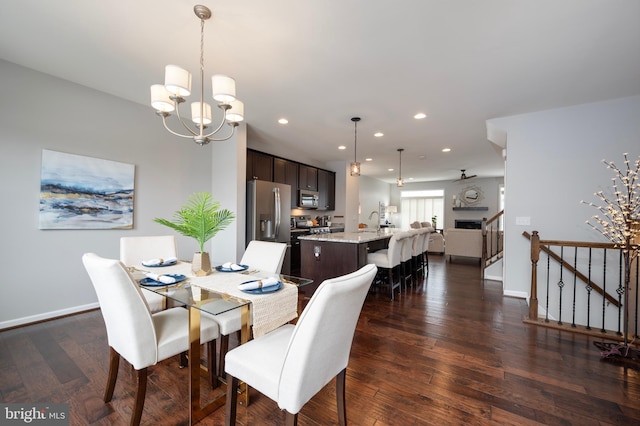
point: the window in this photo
(421, 206)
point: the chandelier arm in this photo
(224, 107)
(164, 121)
(182, 121)
(233, 130)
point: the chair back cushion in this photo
(321, 341)
(395, 249)
(264, 255)
(130, 329)
(133, 250)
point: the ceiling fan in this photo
(463, 176)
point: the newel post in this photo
(535, 256)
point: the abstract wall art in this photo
(78, 192)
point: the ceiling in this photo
(320, 63)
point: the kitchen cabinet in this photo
(326, 190)
(286, 171)
(259, 166)
(307, 177)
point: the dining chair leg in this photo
(232, 401)
(114, 363)
(184, 361)
(292, 419)
(224, 348)
(141, 391)
(211, 364)
(341, 379)
(390, 277)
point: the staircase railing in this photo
(593, 276)
(492, 240)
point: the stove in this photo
(320, 230)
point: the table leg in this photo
(196, 411)
(245, 335)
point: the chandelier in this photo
(355, 166)
(399, 181)
(177, 85)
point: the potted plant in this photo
(201, 220)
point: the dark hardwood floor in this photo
(451, 351)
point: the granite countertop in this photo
(351, 237)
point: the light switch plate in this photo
(523, 220)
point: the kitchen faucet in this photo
(378, 222)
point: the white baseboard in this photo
(47, 315)
(493, 277)
(518, 294)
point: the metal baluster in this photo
(561, 284)
(546, 306)
(620, 291)
(604, 289)
(575, 286)
(589, 288)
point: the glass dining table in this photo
(216, 294)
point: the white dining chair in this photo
(133, 250)
(388, 260)
(134, 333)
(406, 269)
(292, 363)
(266, 256)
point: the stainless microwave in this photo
(307, 199)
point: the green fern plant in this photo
(199, 219)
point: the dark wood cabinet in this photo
(263, 166)
(326, 190)
(285, 171)
(307, 177)
(259, 166)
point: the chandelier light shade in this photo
(399, 181)
(166, 98)
(355, 166)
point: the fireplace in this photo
(468, 224)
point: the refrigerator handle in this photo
(276, 205)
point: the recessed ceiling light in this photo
(368, 159)
(446, 149)
(390, 170)
(378, 134)
(420, 116)
(283, 121)
(422, 157)
(342, 147)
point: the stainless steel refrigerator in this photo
(269, 215)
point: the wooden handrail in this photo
(539, 244)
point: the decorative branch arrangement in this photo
(620, 224)
(620, 220)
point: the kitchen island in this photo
(325, 256)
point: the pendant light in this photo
(355, 166)
(399, 181)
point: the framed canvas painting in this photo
(78, 192)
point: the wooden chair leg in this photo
(211, 364)
(224, 348)
(114, 363)
(184, 361)
(292, 419)
(141, 391)
(341, 397)
(390, 278)
(232, 401)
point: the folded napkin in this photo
(160, 261)
(232, 266)
(165, 279)
(251, 285)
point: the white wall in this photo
(554, 160)
(42, 272)
(372, 192)
(488, 186)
